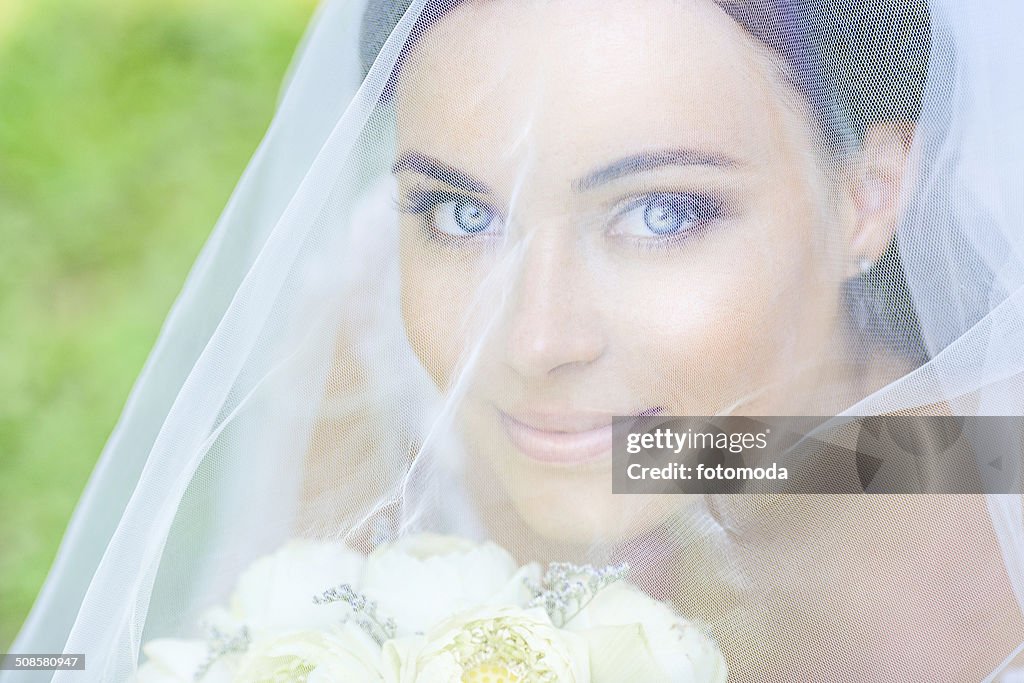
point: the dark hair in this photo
(858, 63)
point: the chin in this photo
(579, 508)
(563, 504)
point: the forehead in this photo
(585, 78)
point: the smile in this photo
(561, 438)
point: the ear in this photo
(878, 176)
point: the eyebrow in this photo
(418, 162)
(428, 166)
(648, 161)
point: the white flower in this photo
(429, 545)
(629, 633)
(276, 592)
(340, 654)
(491, 644)
(423, 579)
(178, 661)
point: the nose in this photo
(553, 321)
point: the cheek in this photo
(430, 338)
(737, 314)
(437, 294)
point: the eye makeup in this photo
(451, 217)
(651, 219)
(666, 219)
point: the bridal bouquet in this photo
(433, 609)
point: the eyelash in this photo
(713, 206)
(421, 202)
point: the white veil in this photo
(322, 375)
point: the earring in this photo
(865, 264)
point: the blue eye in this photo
(470, 216)
(664, 214)
(463, 218)
(452, 214)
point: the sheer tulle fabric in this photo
(468, 217)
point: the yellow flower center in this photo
(489, 673)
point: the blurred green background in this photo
(124, 125)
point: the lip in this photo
(561, 438)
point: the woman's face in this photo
(609, 209)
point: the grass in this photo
(124, 125)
